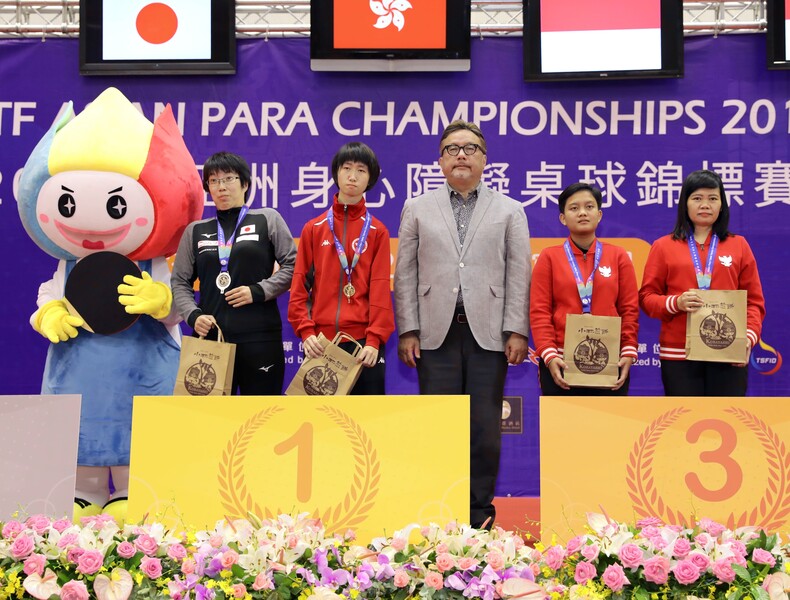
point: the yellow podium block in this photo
(678, 459)
(368, 463)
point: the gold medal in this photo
(349, 291)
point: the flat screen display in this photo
(585, 39)
(778, 34)
(167, 37)
(390, 35)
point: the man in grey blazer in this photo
(462, 297)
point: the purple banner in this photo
(635, 139)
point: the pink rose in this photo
(151, 567)
(74, 590)
(401, 578)
(712, 527)
(434, 580)
(146, 544)
(441, 548)
(465, 563)
(686, 572)
(68, 540)
(584, 572)
(126, 550)
(61, 525)
(189, 566)
(681, 548)
(631, 555)
(38, 523)
(658, 542)
(649, 532)
(554, 557)
(177, 552)
(73, 554)
(590, 552)
(215, 541)
(398, 544)
(12, 529)
(445, 562)
(35, 563)
(657, 570)
(495, 559)
(574, 544)
(22, 546)
(293, 540)
(89, 562)
(699, 560)
(654, 521)
(614, 578)
(763, 557)
(703, 540)
(262, 582)
(229, 558)
(738, 547)
(723, 571)
(239, 590)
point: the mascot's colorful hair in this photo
(112, 135)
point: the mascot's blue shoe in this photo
(83, 508)
(117, 508)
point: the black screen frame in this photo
(456, 56)
(223, 46)
(776, 40)
(672, 63)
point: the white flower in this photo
(42, 587)
(390, 12)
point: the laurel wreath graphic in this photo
(771, 511)
(350, 512)
(232, 485)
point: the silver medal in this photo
(223, 281)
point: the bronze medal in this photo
(349, 291)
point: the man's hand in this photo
(409, 349)
(516, 349)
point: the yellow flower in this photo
(225, 574)
(354, 594)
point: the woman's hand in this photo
(239, 296)
(312, 347)
(368, 356)
(624, 364)
(689, 301)
(556, 367)
(204, 324)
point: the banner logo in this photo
(766, 359)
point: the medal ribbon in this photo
(703, 279)
(585, 289)
(223, 247)
(341, 253)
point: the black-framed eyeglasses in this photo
(469, 149)
(224, 181)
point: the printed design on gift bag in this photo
(771, 511)
(591, 356)
(717, 330)
(320, 381)
(200, 379)
(350, 512)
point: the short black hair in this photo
(702, 179)
(460, 125)
(361, 153)
(579, 187)
(227, 162)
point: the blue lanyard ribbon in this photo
(341, 253)
(223, 247)
(585, 288)
(703, 278)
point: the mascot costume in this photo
(109, 181)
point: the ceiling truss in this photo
(266, 19)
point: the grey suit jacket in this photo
(493, 269)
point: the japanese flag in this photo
(153, 30)
(600, 35)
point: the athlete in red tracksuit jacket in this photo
(320, 299)
(554, 293)
(669, 288)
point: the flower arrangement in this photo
(293, 558)
(290, 558)
(652, 560)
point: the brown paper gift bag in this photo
(592, 350)
(205, 367)
(717, 331)
(333, 374)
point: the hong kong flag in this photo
(385, 24)
(600, 35)
(156, 30)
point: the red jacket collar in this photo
(354, 211)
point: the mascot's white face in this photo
(84, 212)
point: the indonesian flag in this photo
(389, 24)
(152, 30)
(600, 35)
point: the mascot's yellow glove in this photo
(145, 296)
(54, 322)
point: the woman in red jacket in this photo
(556, 291)
(699, 254)
(342, 276)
